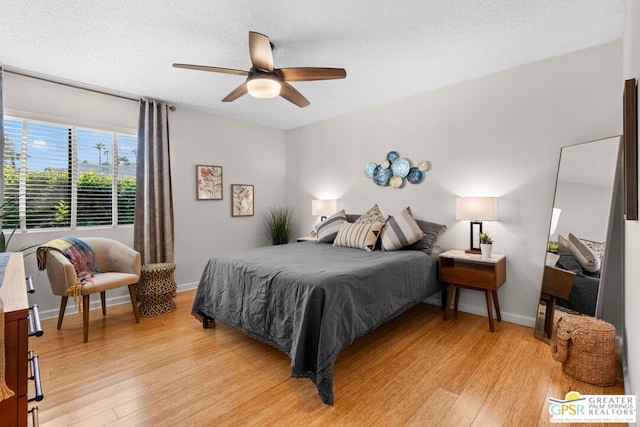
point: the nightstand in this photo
(307, 239)
(471, 271)
(556, 283)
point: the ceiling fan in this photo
(264, 81)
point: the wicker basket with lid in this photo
(586, 348)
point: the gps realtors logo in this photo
(593, 408)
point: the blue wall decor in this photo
(394, 170)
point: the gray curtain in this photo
(153, 224)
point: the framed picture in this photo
(241, 200)
(208, 182)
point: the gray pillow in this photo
(432, 232)
(568, 262)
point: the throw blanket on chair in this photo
(79, 254)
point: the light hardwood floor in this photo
(416, 370)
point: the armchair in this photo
(118, 264)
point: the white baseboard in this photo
(110, 302)
(482, 311)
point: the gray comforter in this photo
(310, 300)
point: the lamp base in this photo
(474, 237)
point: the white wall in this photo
(249, 154)
(498, 135)
(631, 69)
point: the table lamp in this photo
(323, 208)
(476, 210)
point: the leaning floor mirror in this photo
(582, 234)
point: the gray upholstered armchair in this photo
(118, 264)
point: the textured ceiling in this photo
(390, 50)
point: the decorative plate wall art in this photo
(394, 170)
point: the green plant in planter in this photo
(278, 223)
(4, 239)
(485, 239)
(553, 247)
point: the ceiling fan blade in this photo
(292, 95)
(260, 51)
(236, 93)
(302, 74)
(212, 69)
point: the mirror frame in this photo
(540, 330)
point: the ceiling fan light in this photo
(263, 87)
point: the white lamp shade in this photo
(323, 207)
(477, 208)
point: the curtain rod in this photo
(19, 73)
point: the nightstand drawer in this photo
(473, 270)
(476, 275)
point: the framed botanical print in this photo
(208, 182)
(241, 200)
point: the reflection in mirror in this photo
(576, 263)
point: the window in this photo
(63, 176)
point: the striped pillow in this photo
(359, 236)
(328, 229)
(400, 231)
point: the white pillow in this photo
(359, 236)
(400, 231)
(587, 258)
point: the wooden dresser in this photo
(13, 411)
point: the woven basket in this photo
(586, 348)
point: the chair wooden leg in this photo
(103, 302)
(85, 317)
(134, 302)
(63, 307)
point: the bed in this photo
(310, 300)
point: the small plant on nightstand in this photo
(485, 239)
(486, 245)
(552, 254)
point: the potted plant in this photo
(552, 254)
(486, 245)
(278, 222)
